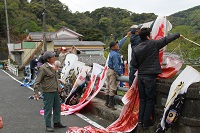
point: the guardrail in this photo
(117, 97)
(13, 69)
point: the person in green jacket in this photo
(48, 82)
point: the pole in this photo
(44, 26)
(191, 41)
(165, 30)
(7, 24)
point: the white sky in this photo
(159, 7)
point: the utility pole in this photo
(44, 26)
(7, 24)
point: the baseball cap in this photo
(63, 48)
(113, 44)
(135, 27)
(48, 54)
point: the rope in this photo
(192, 41)
(179, 48)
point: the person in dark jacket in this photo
(135, 40)
(145, 58)
(48, 82)
(40, 62)
(33, 64)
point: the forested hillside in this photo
(103, 24)
(187, 23)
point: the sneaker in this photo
(49, 129)
(59, 125)
(31, 97)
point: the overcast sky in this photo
(159, 7)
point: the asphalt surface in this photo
(21, 115)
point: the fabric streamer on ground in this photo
(128, 118)
(87, 97)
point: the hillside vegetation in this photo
(104, 24)
(188, 24)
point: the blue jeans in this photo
(147, 90)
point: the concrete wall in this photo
(189, 120)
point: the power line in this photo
(77, 5)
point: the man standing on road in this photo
(47, 80)
(145, 58)
(114, 64)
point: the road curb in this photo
(97, 107)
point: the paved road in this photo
(21, 115)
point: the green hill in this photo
(188, 17)
(188, 24)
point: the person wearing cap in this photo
(134, 40)
(48, 82)
(33, 64)
(145, 58)
(114, 64)
(62, 55)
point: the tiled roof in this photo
(38, 36)
(50, 36)
(75, 43)
(70, 31)
(90, 59)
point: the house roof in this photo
(90, 59)
(69, 30)
(62, 34)
(38, 36)
(75, 43)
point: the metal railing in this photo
(13, 69)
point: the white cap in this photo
(134, 26)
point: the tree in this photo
(91, 34)
(105, 24)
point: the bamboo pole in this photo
(192, 41)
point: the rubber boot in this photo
(111, 104)
(107, 100)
